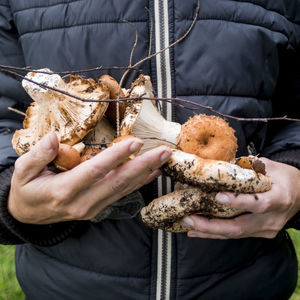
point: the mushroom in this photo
(143, 120)
(101, 136)
(206, 177)
(69, 118)
(166, 211)
(206, 136)
(214, 175)
(111, 112)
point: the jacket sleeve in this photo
(283, 144)
(284, 135)
(13, 95)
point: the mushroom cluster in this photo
(203, 149)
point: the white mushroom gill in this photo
(142, 119)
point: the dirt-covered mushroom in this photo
(166, 211)
(214, 175)
(202, 179)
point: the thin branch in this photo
(182, 102)
(16, 111)
(29, 69)
(174, 43)
(135, 41)
(155, 54)
(151, 29)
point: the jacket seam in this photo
(86, 270)
(224, 95)
(50, 5)
(238, 22)
(4, 5)
(267, 9)
(80, 25)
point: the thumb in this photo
(29, 165)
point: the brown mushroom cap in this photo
(69, 118)
(208, 137)
(67, 158)
(90, 153)
(113, 85)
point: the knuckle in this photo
(270, 235)
(236, 232)
(60, 197)
(286, 203)
(120, 183)
(96, 172)
(265, 206)
(277, 225)
(20, 168)
(77, 212)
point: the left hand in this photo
(268, 212)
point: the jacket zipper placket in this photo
(164, 89)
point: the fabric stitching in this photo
(224, 95)
(86, 270)
(238, 22)
(272, 10)
(50, 5)
(78, 25)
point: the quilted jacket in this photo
(241, 58)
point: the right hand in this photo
(39, 196)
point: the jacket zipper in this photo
(164, 89)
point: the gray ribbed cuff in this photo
(126, 208)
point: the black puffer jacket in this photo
(241, 58)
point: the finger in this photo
(152, 176)
(130, 175)
(29, 165)
(199, 234)
(230, 228)
(203, 235)
(123, 180)
(96, 168)
(135, 172)
(96, 207)
(255, 203)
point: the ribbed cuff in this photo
(15, 232)
(290, 157)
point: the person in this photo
(242, 58)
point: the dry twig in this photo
(175, 101)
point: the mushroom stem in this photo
(142, 119)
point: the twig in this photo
(174, 43)
(135, 42)
(29, 69)
(151, 29)
(183, 103)
(16, 111)
(157, 53)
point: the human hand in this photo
(39, 196)
(269, 211)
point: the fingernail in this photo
(222, 198)
(46, 142)
(165, 156)
(187, 222)
(135, 146)
(192, 234)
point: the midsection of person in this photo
(228, 61)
